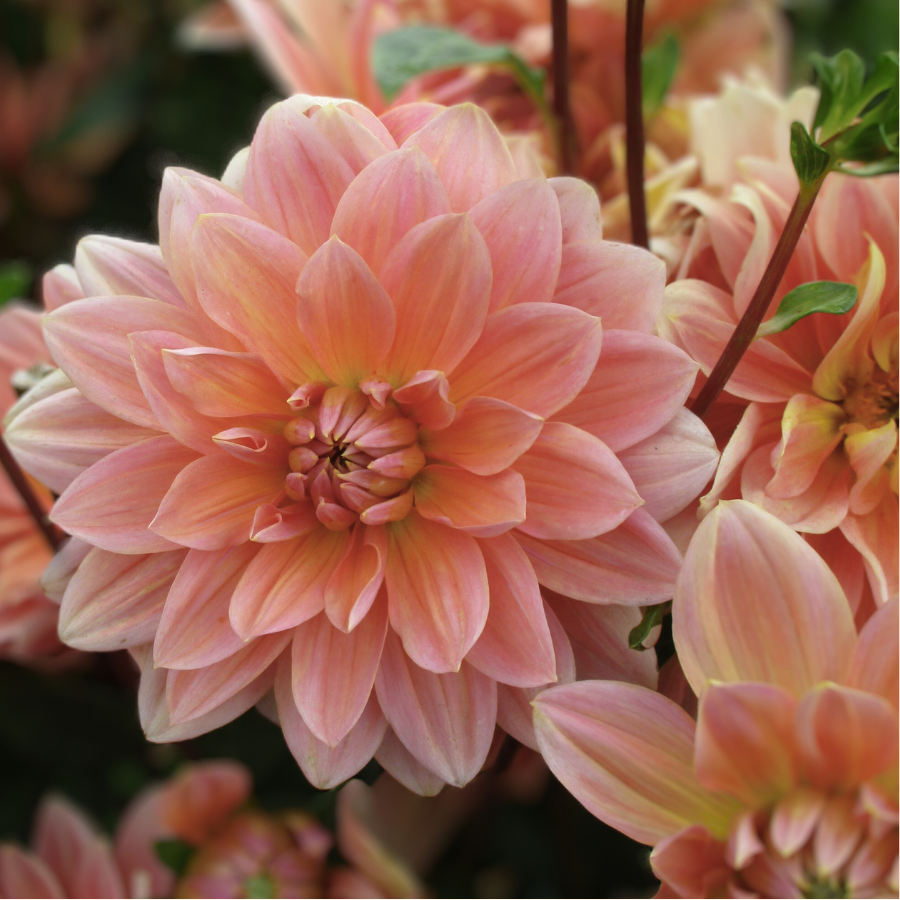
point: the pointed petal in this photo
(579, 210)
(743, 563)
(400, 764)
(112, 504)
(344, 313)
(871, 453)
(794, 819)
(23, 874)
(63, 566)
(636, 564)
(358, 146)
(402, 121)
(691, 863)
(60, 286)
(437, 591)
(536, 356)
(424, 399)
(872, 666)
(875, 537)
(354, 584)
(626, 754)
(446, 721)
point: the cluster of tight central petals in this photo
(321, 447)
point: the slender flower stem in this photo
(634, 123)
(565, 133)
(20, 482)
(746, 330)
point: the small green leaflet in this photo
(653, 616)
(658, 65)
(175, 854)
(814, 297)
(810, 160)
(401, 55)
(15, 280)
(259, 886)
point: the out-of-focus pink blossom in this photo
(356, 409)
(786, 786)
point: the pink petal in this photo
(323, 766)
(631, 365)
(872, 666)
(112, 504)
(482, 505)
(60, 286)
(446, 721)
(401, 121)
(636, 564)
(349, 137)
(337, 288)
(295, 177)
(285, 583)
(692, 864)
(742, 565)
(401, 765)
(536, 356)
(515, 646)
(670, 468)
(246, 275)
(405, 190)
(251, 445)
(115, 600)
(108, 266)
(579, 210)
(333, 673)
(194, 630)
(23, 874)
(439, 277)
(520, 224)
(468, 153)
(870, 453)
(622, 285)
(59, 437)
(352, 587)
(62, 567)
(437, 591)
(486, 436)
(626, 754)
(794, 819)
(745, 742)
(424, 399)
(576, 487)
(875, 537)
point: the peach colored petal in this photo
(354, 584)
(626, 754)
(520, 224)
(295, 177)
(437, 591)
(112, 504)
(60, 286)
(424, 399)
(400, 764)
(536, 356)
(576, 487)
(794, 818)
(246, 275)
(870, 452)
(194, 630)
(401, 121)
(875, 537)
(261, 448)
(326, 767)
(872, 666)
(468, 152)
(515, 646)
(845, 561)
(837, 836)
(115, 600)
(631, 364)
(337, 287)
(622, 285)
(212, 501)
(333, 673)
(635, 564)
(285, 584)
(579, 210)
(358, 146)
(405, 190)
(439, 277)
(446, 721)
(744, 745)
(63, 566)
(482, 505)
(691, 863)
(744, 564)
(486, 436)
(23, 874)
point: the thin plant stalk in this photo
(634, 123)
(561, 108)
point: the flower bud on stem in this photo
(634, 123)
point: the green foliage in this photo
(259, 886)
(658, 65)
(401, 55)
(815, 297)
(810, 160)
(15, 280)
(177, 854)
(653, 616)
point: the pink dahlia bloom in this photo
(786, 785)
(357, 405)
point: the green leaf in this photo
(401, 55)
(653, 616)
(815, 297)
(175, 854)
(658, 65)
(810, 160)
(259, 886)
(15, 280)
(841, 78)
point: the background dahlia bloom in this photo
(364, 406)
(786, 786)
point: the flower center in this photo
(873, 403)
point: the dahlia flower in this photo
(356, 409)
(786, 785)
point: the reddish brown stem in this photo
(52, 534)
(746, 330)
(560, 19)
(634, 123)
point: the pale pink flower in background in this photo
(786, 786)
(363, 411)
